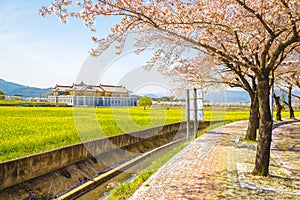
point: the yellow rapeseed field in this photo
(28, 130)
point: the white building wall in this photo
(93, 100)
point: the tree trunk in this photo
(278, 107)
(291, 110)
(265, 127)
(253, 119)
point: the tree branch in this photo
(290, 16)
(258, 16)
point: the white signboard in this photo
(198, 100)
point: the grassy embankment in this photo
(125, 190)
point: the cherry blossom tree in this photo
(248, 37)
(288, 77)
(202, 73)
(279, 107)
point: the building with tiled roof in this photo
(92, 95)
(2, 96)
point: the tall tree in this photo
(145, 101)
(288, 77)
(278, 107)
(245, 36)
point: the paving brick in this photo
(206, 169)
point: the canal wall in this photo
(19, 170)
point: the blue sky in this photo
(40, 51)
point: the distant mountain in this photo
(237, 97)
(229, 96)
(153, 95)
(240, 96)
(134, 95)
(11, 89)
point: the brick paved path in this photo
(286, 148)
(206, 169)
(192, 173)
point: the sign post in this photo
(194, 110)
(195, 113)
(187, 115)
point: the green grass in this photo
(125, 190)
